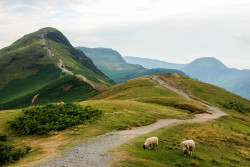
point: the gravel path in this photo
(95, 152)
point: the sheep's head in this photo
(144, 147)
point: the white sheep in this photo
(152, 141)
(187, 145)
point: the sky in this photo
(177, 31)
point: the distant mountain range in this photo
(207, 69)
(152, 63)
(44, 67)
(112, 64)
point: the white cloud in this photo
(174, 31)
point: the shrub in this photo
(236, 106)
(42, 119)
(8, 153)
(3, 137)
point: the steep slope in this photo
(152, 63)
(212, 71)
(111, 63)
(44, 63)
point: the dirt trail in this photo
(95, 152)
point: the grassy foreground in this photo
(117, 115)
(222, 142)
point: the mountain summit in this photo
(44, 63)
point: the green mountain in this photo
(111, 63)
(152, 63)
(44, 63)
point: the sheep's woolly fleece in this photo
(151, 141)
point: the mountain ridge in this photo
(46, 55)
(113, 65)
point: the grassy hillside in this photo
(45, 62)
(221, 142)
(111, 63)
(141, 102)
(144, 90)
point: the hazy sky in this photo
(177, 31)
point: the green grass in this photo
(218, 143)
(143, 90)
(221, 142)
(117, 115)
(141, 102)
(203, 91)
(52, 86)
(26, 69)
(120, 114)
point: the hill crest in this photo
(46, 51)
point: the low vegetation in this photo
(239, 107)
(7, 151)
(43, 119)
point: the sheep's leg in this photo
(190, 150)
(157, 147)
(185, 152)
(153, 146)
(150, 146)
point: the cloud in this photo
(164, 29)
(242, 39)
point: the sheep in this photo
(187, 145)
(152, 141)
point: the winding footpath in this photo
(95, 152)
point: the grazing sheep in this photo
(187, 145)
(152, 141)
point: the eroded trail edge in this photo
(95, 152)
